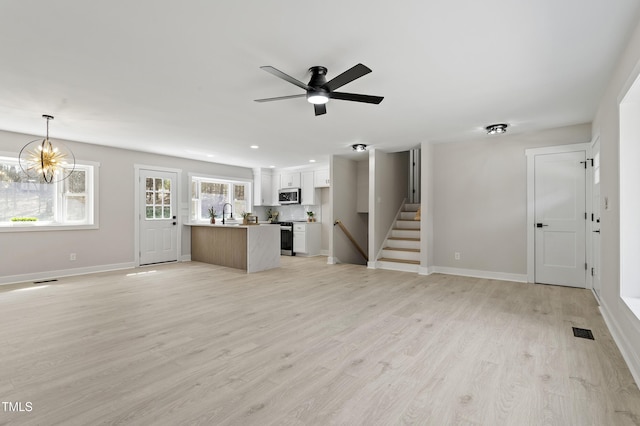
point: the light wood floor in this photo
(307, 344)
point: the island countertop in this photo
(252, 248)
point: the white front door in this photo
(560, 222)
(595, 219)
(158, 217)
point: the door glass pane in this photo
(158, 198)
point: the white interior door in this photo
(560, 210)
(158, 217)
(595, 219)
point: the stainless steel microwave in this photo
(289, 196)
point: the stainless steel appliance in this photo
(286, 238)
(289, 196)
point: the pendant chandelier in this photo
(47, 162)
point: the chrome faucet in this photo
(230, 214)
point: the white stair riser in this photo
(398, 254)
(403, 244)
(405, 267)
(411, 207)
(407, 215)
(402, 233)
(408, 224)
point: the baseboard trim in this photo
(48, 275)
(185, 258)
(502, 276)
(629, 355)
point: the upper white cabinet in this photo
(310, 195)
(262, 188)
(321, 178)
(290, 180)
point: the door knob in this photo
(597, 230)
(174, 223)
(540, 225)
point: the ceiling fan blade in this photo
(356, 97)
(348, 76)
(285, 77)
(320, 109)
(279, 98)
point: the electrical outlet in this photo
(456, 255)
(72, 256)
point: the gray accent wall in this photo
(343, 198)
(389, 190)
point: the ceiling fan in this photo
(319, 90)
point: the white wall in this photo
(343, 197)
(390, 177)
(427, 197)
(38, 253)
(480, 203)
(326, 225)
(624, 326)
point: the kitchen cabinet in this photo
(306, 239)
(262, 188)
(290, 180)
(310, 194)
(321, 178)
(275, 187)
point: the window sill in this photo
(44, 227)
(633, 303)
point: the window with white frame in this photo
(215, 193)
(27, 202)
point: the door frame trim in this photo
(531, 154)
(136, 209)
(591, 226)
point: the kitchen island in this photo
(251, 248)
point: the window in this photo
(629, 198)
(211, 192)
(27, 203)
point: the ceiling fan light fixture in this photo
(359, 147)
(496, 129)
(317, 98)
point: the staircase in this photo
(401, 249)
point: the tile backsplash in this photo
(289, 213)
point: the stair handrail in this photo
(353, 241)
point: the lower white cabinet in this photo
(306, 239)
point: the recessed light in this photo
(272, 167)
(210, 155)
(359, 147)
(312, 161)
(254, 147)
(496, 129)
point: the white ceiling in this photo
(180, 77)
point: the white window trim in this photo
(31, 227)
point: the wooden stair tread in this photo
(405, 229)
(402, 249)
(403, 239)
(386, 259)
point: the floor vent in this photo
(582, 332)
(45, 281)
